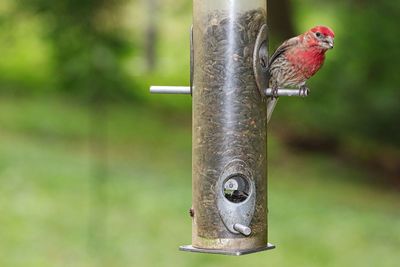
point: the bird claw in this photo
(304, 91)
(275, 92)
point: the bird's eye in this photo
(318, 34)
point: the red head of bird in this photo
(320, 37)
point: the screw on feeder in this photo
(231, 184)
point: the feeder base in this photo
(225, 252)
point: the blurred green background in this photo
(95, 171)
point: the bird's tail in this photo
(271, 103)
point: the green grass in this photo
(54, 213)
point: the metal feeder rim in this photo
(190, 248)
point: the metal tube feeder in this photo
(229, 175)
(231, 106)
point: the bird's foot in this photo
(304, 91)
(275, 92)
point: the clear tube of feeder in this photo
(229, 119)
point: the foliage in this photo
(87, 46)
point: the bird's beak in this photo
(330, 42)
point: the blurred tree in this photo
(87, 44)
(151, 33)
(280, 20)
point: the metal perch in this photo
(186, 91)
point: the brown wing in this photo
(283, 48)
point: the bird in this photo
(298, 59)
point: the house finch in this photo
(299, 58)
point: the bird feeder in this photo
(231, 105)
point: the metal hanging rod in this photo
(186, 91)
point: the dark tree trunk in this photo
(280, 20)
(151, 34)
